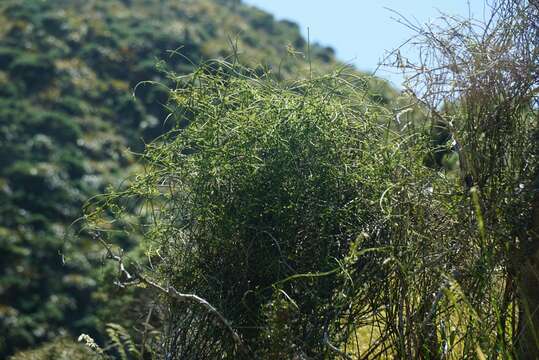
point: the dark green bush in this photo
(34, 70)
(7, 55)
(128, 111)
(71, 105)
(58, 125)
(262, 20)
(55, 25)
(25, 10)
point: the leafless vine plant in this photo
(478, 81)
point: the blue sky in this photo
(362, 30)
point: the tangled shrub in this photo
(264, 201)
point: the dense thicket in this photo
(275, 203)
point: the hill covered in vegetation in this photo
(70, 125)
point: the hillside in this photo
(70, 125)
